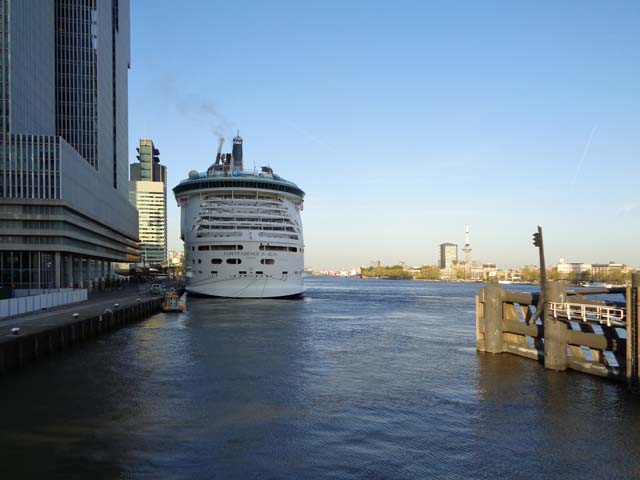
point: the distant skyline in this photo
(403, 122)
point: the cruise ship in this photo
(242, 230)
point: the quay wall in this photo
(19, 350)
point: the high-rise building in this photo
(148, 193)
(448, 255)
(64, 211)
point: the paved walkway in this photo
(57, 316)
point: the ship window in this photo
(193, 261)
(227, 247)
(267, 261)
(242, 273)
(214, 272)
(285, 273)
(216, 261)
(278, 248)
(259, 273)
(199, 260)
(234, 261)
(199, 271)
(203, 247)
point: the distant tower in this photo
(467, 248)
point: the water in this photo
(360, 379)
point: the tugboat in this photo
(172, 303)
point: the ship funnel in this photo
(237, 152)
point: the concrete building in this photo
(600, 271)
(565, 270)
(64, 211)
(148, 193)
(448, 255)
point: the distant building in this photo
(448, 255)
(148, 193)
(175, 257)
(565, 269)
(64, 215)
(374, 263)
(600, 271)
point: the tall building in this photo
(448, 255)
(64, 211)
(148, 193)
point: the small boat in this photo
(172, 303)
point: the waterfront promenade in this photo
(42, 320)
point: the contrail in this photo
(584, 154)
(311, 137)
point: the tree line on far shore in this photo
(527, 274)
(397, 272)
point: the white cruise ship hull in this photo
(248, 288)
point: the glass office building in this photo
(448, 255)
(148, 193)
(64, 211)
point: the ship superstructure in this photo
(242, 230)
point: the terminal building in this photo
(148, 193)
(64, 208)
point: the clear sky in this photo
(403, 121)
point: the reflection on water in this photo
(360, 379)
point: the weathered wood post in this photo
(633, 333)
(555, 331)
(480, 328)
(493, 298)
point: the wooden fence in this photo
(575, 331)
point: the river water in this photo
(360, 379)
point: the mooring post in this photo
(633, 334)
(493, 318)
(555, 331)
(480, 325)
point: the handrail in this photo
(603, 314)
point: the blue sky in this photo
(403, 121)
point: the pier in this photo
(34, 336)
(573, 330)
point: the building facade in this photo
(148, 194)
(448, 255)
(64, 211)
(566, 270)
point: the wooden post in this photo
(480, 325)
(633, 334)
(555, 331)
(493, 318)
